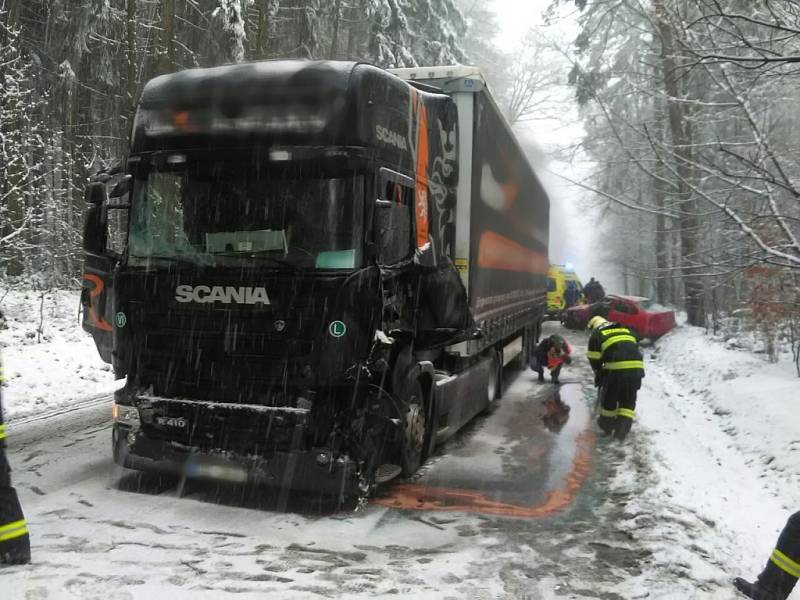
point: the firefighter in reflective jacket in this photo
(618, 369)
(15, 545)
(782, 570)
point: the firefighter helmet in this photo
(596, 322)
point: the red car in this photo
(638, 314)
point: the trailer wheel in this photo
(494, 383)
(416, 429)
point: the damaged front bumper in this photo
(141, 442)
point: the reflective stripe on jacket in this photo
(614, 349)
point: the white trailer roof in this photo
(448, 78)
(443, 72)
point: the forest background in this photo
(681, 159)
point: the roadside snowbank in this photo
(718, 460)
(48, 359)
(756, 404)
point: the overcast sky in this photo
(574, 232)
(515, 17)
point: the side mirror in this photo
(122, 188)
(95, 193)
(95, 229)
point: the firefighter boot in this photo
(622, 427)
(606, 425)
(774, 582)
(15, 544)
(16, 552)
(751, 590)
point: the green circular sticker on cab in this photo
(120, 319)
(337, 329)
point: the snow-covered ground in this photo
(48, 360)
(697, 496)
(719, 458)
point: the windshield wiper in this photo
(183, 260)
(261, 255)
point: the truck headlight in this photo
(125, 415)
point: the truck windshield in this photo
(222, 212)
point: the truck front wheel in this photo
(416, 429)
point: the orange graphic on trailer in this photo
(94, 319)
(422, 177)
(421, 170)
(496, 251)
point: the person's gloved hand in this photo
(598, 380)
(568, 359)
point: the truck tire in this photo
(498, 378)
(494, 384)
(416, 429)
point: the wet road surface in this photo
(527, 459)
(508, 509)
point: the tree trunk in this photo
(131, 38)
(12, 13)
(337, 17)
(663, 265)
(357, 30)
(261, 32)
(166, 59)
(688, 220)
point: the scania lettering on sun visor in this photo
(254, 119)
(205, 294)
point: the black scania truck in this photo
(311, 273)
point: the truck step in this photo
(386, 473)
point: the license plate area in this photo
(219, 427)
(210, 467)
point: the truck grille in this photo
(218, 355)
(210, 428)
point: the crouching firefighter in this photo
(552, 352)
(782, 570)
(15, 545)
(618, 369)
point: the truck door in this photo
(103, 244)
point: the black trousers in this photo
(539, 368)
(619, 404)
(14, 539)
(783, 567)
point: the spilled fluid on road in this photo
(529, 460)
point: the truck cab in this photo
(285, 293)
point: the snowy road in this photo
(509, 509)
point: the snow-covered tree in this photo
(72, 71)
(688, 107)
(439, 27)
(230, 14)
(21, 169)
